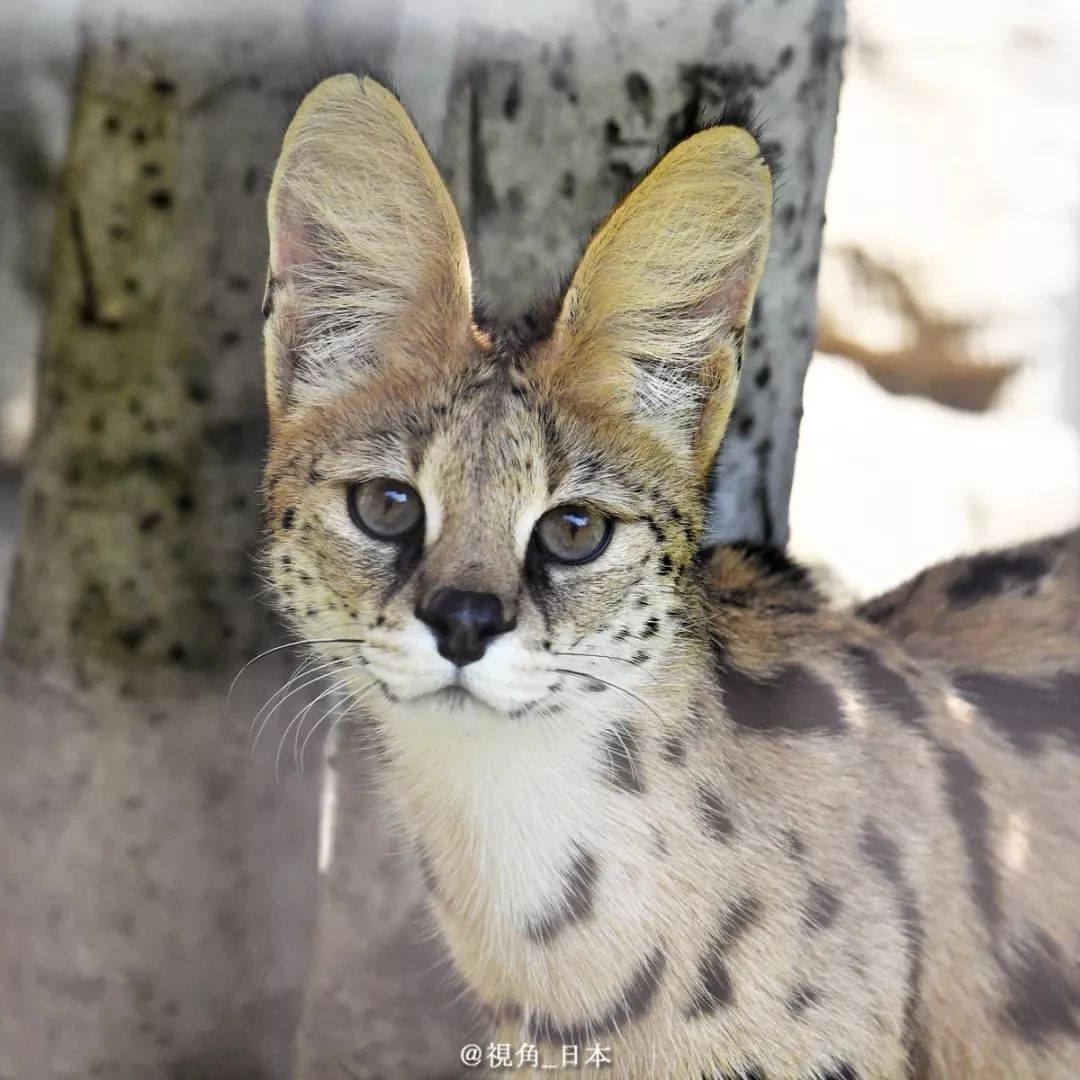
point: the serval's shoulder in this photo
(1015, 611)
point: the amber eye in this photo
(385, 509)
(573, 534)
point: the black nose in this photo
(464, 622)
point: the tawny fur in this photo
(688, 812)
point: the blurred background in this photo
(943, 405)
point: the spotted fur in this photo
(683, 808)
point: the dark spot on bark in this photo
(623, 768)
(177, 653)
(160, 199)
(163, 86)
(512, 101)
(713, 813)
(481, 191)
(639, 92)
(630, 1005)
(568, 185)
(149, 522)
(198, 392)
(762, 376)
(791, 702)
(576, 903)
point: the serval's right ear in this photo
(366, 248)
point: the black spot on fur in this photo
(773, 562)
(963, 789)
(630, 1005)
(623, 769)
(795, 845)
(791, 702)
(886, 688)
(883, 609)
(665, 564)
(822, 907)
(673, 750)
(713, 812)
(1026, 712)
(1044, 988)
(714, 987)
(844, 1071)
(985, 576)
(576, 903)
(651, 628)
(801, 998)
(288, 518)
(883, 854)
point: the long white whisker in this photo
(298, 721)
(308, 667)
(331, 666)
(288, 645)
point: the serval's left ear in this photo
(656, 312)
(367, 253)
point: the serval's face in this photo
(478, 521)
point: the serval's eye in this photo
(573, 534)
(385, 509)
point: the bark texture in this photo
(542, 134)
(156, 886)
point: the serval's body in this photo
(668, 804)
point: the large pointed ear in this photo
(366, 248)
(654, 318)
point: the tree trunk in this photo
(541, 136)
(157, 887)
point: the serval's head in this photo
(496, 525)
